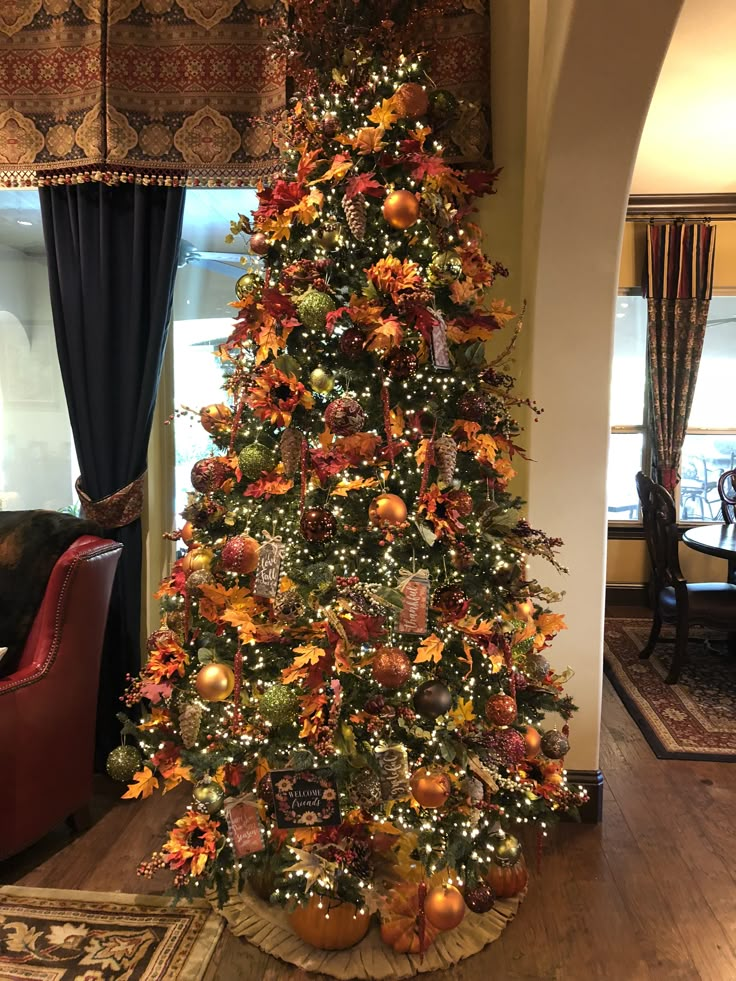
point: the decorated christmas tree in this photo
(352, 668)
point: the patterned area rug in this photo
(61, 935)
(692, 720)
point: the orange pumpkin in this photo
(336, 926)
(399, 929)
(508, 880)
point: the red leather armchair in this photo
(48, 705)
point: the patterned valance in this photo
(174, 92)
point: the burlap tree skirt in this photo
(268, 927)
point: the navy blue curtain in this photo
(112, 255)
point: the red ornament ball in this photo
(451, 600)
(344, 417)
(411, 100)
(240, 554)
(480, 898)
(209, 475)
(401, 363)
(461, 501)
(504, 747)
(472, 406)
(318, 524)
(352, 342)
(391, 667)
(501, 710)
(258, 243)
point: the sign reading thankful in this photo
(305, 798)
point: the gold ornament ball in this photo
(532, 742)
(254, 459)
(287, 364)
(387, 509)
(401, 209)
(313, 307)
(215, 418)
(258, 243)
(330, 236)
(123, 763)
(249, 282)
(507, 850)
(411, 100)
(209, 796)
(215, 682)
(279, 705)
(430, 788)
(196, 559)
(321, 381)
(444, 907)
(444, 268)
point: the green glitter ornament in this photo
(254, 459)
(313, 308)
(279, 705)
(123, 763)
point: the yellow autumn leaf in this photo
(384, 115)
(397, 421)
(368, 140)
(359, 483)
(308, 654)
(175, 776)
(430, 649)
(144, 784)
(500, 311)
(242, 622)
(463, 712)
(551, 623)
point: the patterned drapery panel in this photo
(178, 92)
(678, 287)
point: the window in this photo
(205, 285)
(37, 461)
(710, 444)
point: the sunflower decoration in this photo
(275, 395)
(439, 511)
(394, 276)
(192, 843)
(165, 661)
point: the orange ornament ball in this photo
(391, 667)
(215, 682)
(430, 788)
(501, 710)
(444, 907)
(532, 741)
(411, 100)
(197, 559)
(387, 509)
(187, 533)
(240, 554)
(401, 209)
(215, 418)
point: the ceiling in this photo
(688, 145)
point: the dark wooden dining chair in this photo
(674, 599)
(727, 494)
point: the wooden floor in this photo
(650, 893)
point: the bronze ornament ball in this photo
(279, 705)
(330, 235)
(208, 796)
(321, 381)
(501, 710)
(249, 282)
(451, 600)
(507, 849)
(432, 699)
(480, 898)
(352, 342)
(532, 742)
(215, 418)
(391, 667)
(401, 363)
(312, 308)
(187, 533)
(199, 578)
(555, 744)
(387, 510)
(215, 681)
(411, 100)
(344, 417)
(258, 243)
(365, 789)
(401, 209)
(123, 763)
(209, 475)
(430, 788)
(461, 501)
(472, 406)
(318, 524)
(240, 554)
(444, 907)
(255, 459)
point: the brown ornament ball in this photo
(444, 907)
(555, 744)
(352, 342)
(401, 363)
(432, 699)
(177, 619)
(258, 243)
(391, 667)
(480, 898)
(344, 417)
(387, 510)
(196, 559)
(430, 788)
(216, 418)
(209, 475)
(199, 578)
(461, 501)
(401, 209)
(240, 554)
(532, 742)
(215, 682)
(318, 524)
(501, 710)
(472, 406)
(411, 100)
(451, 600)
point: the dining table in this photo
(718, 540)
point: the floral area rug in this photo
(692, 720)
(61, 935)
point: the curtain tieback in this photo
(120, 508)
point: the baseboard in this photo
(592, 781)
(627, 595)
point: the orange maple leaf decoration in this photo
(385, 335)
(430, 649)
(144, 784)
(384, 115)
(368, 140)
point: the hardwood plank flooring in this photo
(649, 894)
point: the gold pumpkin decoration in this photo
(336, 926)
(399, 926)
(196, 559)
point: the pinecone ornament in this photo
(445, 455)
(190, 719)
(356, 211)
(361, 861)
(291, 448)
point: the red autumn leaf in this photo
(364, 184)
(327, 463)
(363, 628)
(307, 163)
(269, 486)
(482, 182)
